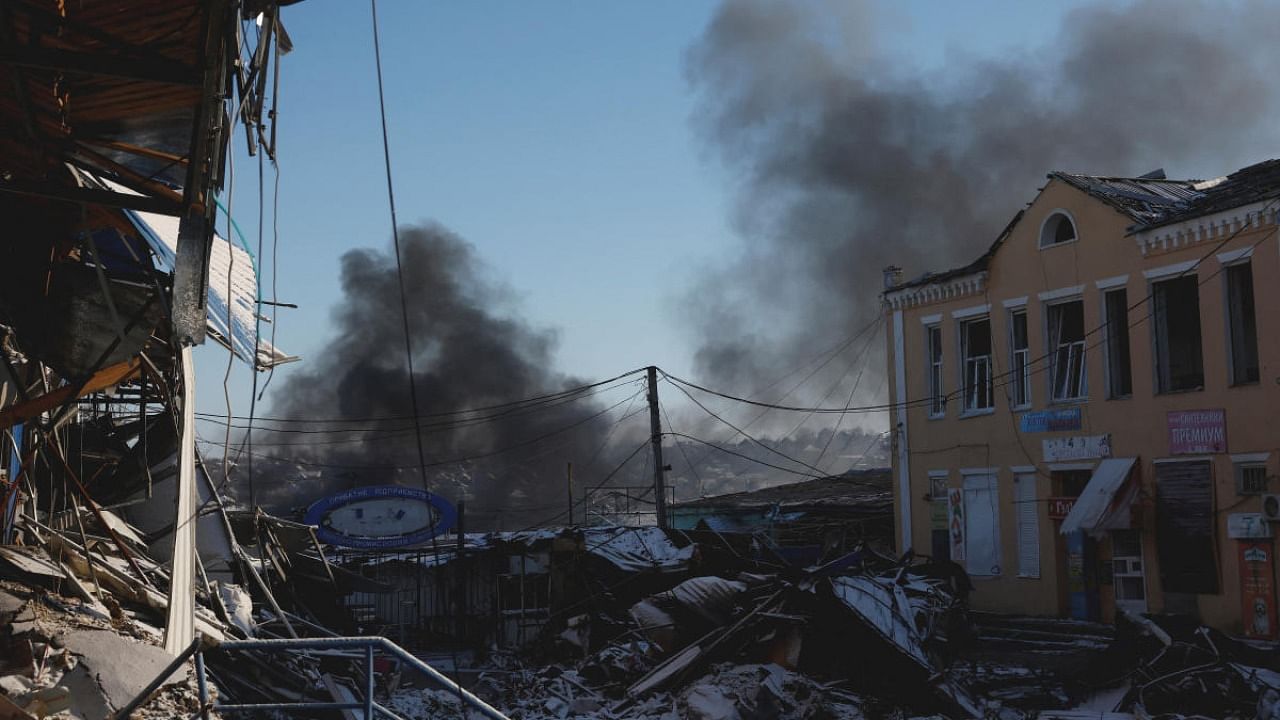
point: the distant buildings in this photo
(1086, 416)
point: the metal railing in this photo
(370, 645)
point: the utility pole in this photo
(569, 478)
(655, 426)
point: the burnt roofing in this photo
(1150, 201)
(1143, 199)
(1260, 181)
(858, 488)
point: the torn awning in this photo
(226, 263)
(1104, 504)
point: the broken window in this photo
(982, 525)
(1176, 315)
(975, 348)
(1066, 341)
(1058, 229)
(1119, 375)
(1242, 328)
(1185, 527)
(1020, 360)
(937, 403)
(1028, 526)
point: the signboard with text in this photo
(1077, 447)
(1060, 507)
(1050, 420)
(1197, 432)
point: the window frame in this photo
(1016, 367)
(1050, 217)
(934, 370)
(979, 482)
(1237, 471)
(1052, 348)
(1229, 269)
(1108, 350)
(962, 325)
(1155, 322)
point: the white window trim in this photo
(1049, 216)
(1014, 303)
(1161, 273)
(1184, 459)
(1065, 293)
(1023, 469)
(1250, 458)
(940, 391)
(966, 472)
(1236, 257)
(1067, 467)
(1013, 310)
(931, 319)
(971, 312)
(934, 474)
(1106, 342)
(1112, 282)
(963, 362)
(1052, 350)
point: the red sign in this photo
(1197, 432)
(1258, 588)
(1060, 507)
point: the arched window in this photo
(1057, 229)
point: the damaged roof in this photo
(859, 488)
(1151, 201)
(1145, 199)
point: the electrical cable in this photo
(680, 447)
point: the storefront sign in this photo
(1257, 589)
(1060, 507)
(955, 511)
(1246, 526)
(1078, 447)
(1197, 432)
(1050, 420)
(380, 517)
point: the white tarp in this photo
(1104, 504)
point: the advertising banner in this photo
(1197, 432)
(1258, 589)
(1078, 447)
(1050, 420)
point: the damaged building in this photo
(1082, 415)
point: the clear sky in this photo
(555, 136)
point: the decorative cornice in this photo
(1215, 226)
(949, 289)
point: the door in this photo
(1128, 570)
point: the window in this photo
(1251, 478)
(1176, 324)
(1057, 229)
(1066, 342)
(1028, 526)
(1119, 376)
(1020, 360)
(981, 526)
(975, 349)
(933, 339)
(1241, 325)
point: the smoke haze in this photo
(845, 161)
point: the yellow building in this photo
(1087, 417)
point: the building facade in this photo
(1086, 417)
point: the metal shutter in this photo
(1185, 527)
(1028, 513)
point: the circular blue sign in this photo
(381, 517)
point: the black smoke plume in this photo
(470, 349)
(847, 160)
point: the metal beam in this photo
(91, 196)
(170, 73)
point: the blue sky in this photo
(556, 137)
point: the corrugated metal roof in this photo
(1143, 199)
(1260, 181)
(233, 282)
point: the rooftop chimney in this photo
(892, 277)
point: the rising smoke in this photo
(847, 161)
(471, 349)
